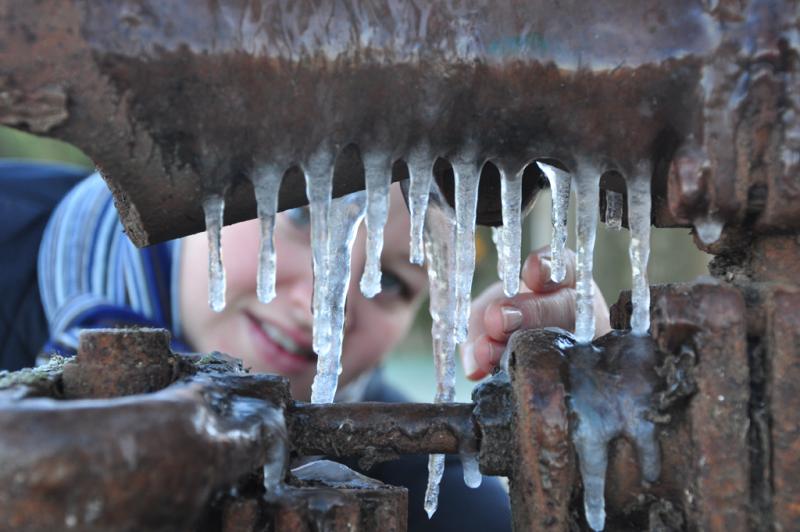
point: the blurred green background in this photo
(673, 258)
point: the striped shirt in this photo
(91, 275)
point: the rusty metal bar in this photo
(380, 430)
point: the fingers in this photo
(502, 317)
(540, 303)
(480, 304)
(480, 356)
(530, 310)
(538, 265)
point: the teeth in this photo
(283, 340)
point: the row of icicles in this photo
(443, 238)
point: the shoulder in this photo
(29, 193)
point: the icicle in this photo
(377, 176)
(266, 184)
(467, 175)
(420, 170)
(708, 228)
(470, 467)
(610, 396)
(613, 210)
(435, 474)
(344, 215)
(214, 208)
(559, 190)
(319, 183)
(586, 183)
(511, 242)
(639, 250)
(440, 255)
(278, 454)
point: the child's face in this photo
(276, 338)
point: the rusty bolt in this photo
(117, 362)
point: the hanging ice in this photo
(559, 190)
(467, 173)
(497, 236)
(440, 254)
(472, 473)
(420, 170)
(586, 183)
(708, 228)
(435, 474)
(610, 396)
(639, 250)
(266, 184)
(613, 210)
(377, 176)
(213, 209)
(344, 215)
(511, 235)
(319, 183)
(278, 454)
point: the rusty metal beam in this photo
(173, 101)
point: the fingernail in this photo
(545, 268)
(512, 318)
(468, 358)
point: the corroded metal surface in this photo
(710, 466)
(314, 501)
(380, 431)
(493, 414)
(543, 474)
(150, 460)
(118, 362)
(698, 364)
(174, 101)
(783, 374)
(128, 463)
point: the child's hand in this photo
(540, 303)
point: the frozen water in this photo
(559, 189)
(639, 250)
(441, 257)
(440, 254)
(467, 174)
(613, 210)
(344, 215)
(586, 183)
(319, 184)
(470, 467)
(278, 454)
(708, 228)
(610, 398)
(334, 475)
(435, 473)
(213, 209)
(420, 170)
(377, 176)
(511, 241)
(266, 183)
